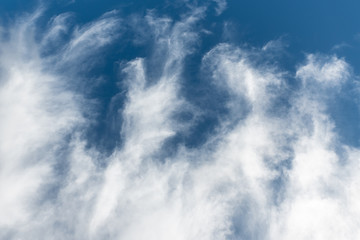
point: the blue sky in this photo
(179, 119)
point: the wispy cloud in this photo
(327, 70)
(221, 6)
(39, 115)
(316, 200)
(271, 169)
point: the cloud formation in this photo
(273, 168)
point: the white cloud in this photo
(329, 71)
(38, 113)
(58, 25)
(221, 6)
(315, 204)
(86, 40)
(259, 176)
(35, 116)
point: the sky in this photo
(179, 119)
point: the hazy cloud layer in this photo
(273, 168)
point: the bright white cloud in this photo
(329, 71)
(316, 202)
(260, 175)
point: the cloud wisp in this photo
(273, 168)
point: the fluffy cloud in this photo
(327, 70)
